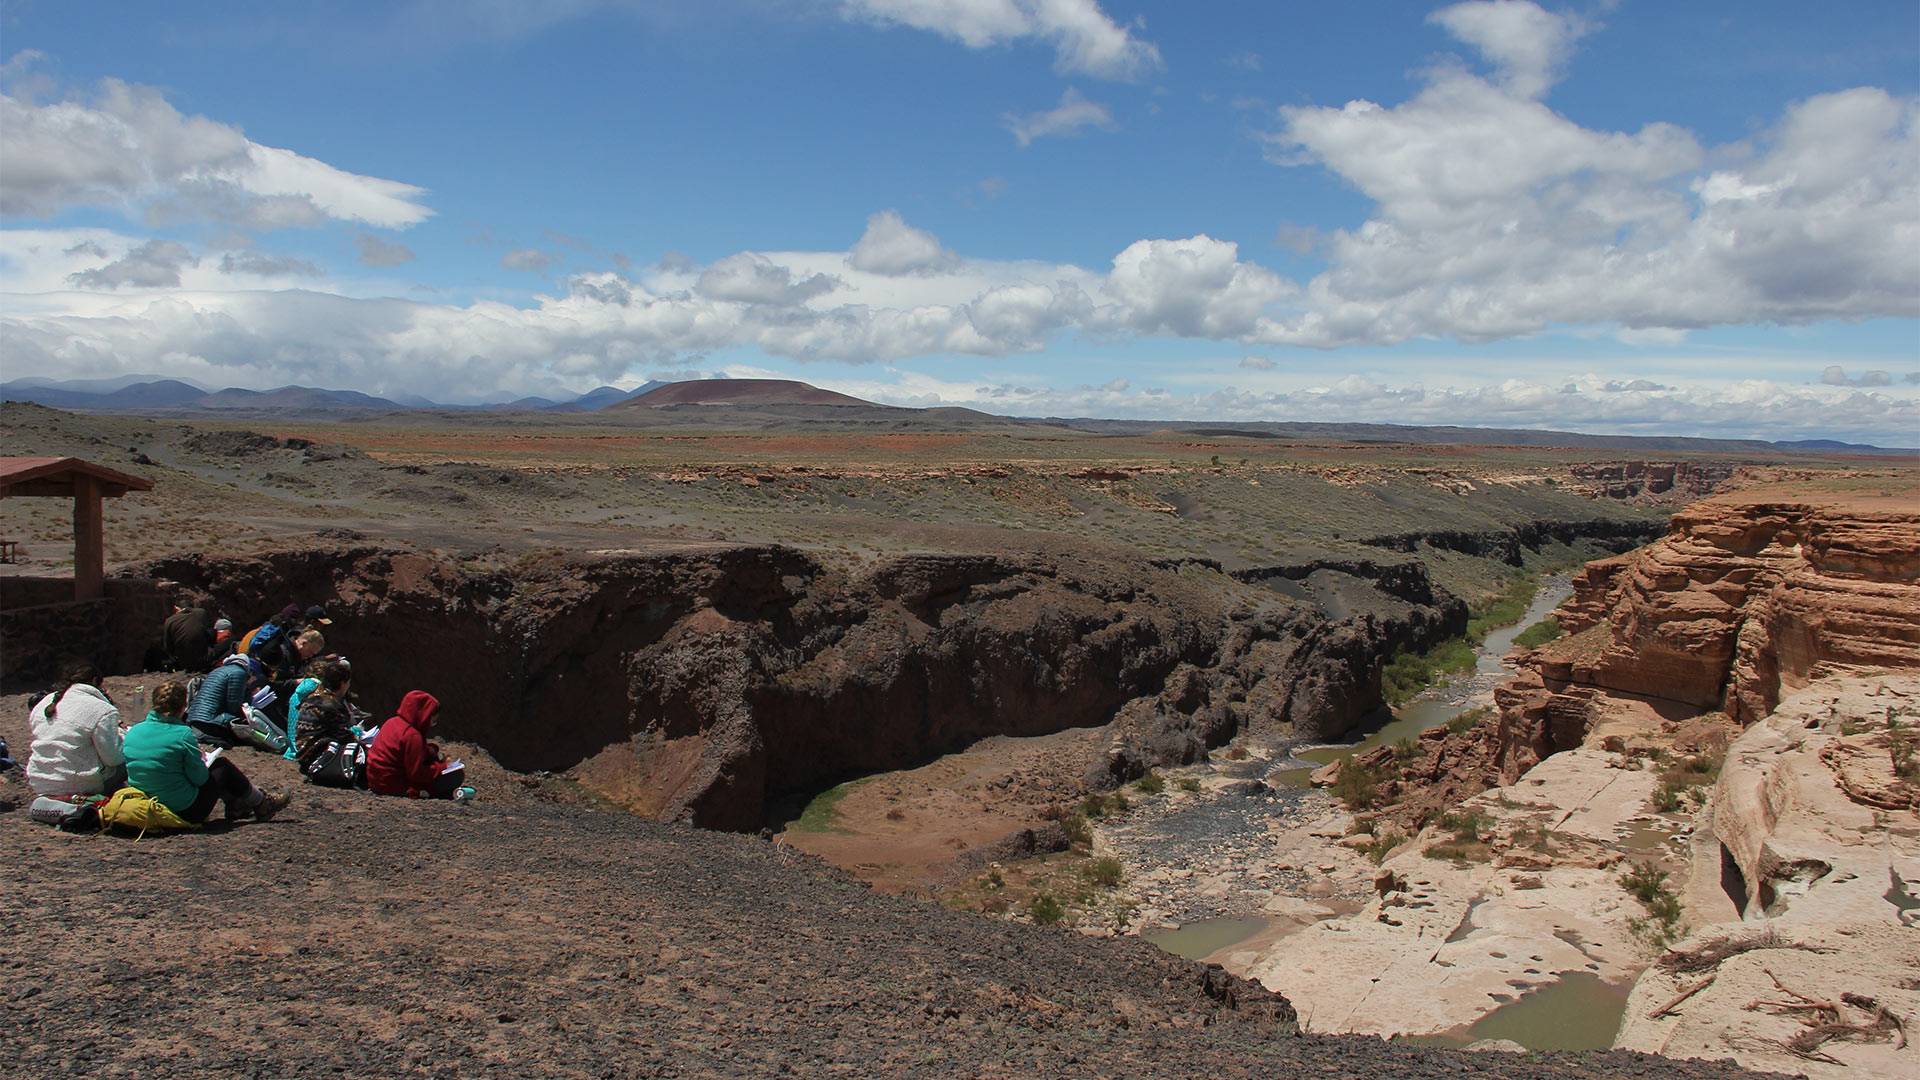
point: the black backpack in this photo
(340, 763)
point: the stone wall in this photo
(40, 624)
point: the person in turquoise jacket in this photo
(163, 760)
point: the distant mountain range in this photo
(769, 403)
(139, 394)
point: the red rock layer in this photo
(1741, 601)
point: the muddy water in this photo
(1578, 1011)
(1199, 940)
(1439, 704)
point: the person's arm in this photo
(423, 764)
(192, 765)
(106, 741)
(233, 694)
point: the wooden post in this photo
(89, 539)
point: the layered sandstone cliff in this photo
(1747, 598)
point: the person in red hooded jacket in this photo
(403, 762)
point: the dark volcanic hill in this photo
(748, 393)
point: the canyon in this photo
(1706, 784)
(995, 669)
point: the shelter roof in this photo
(56, 475)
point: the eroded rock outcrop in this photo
(1652, 481)
(1820, 851)
(699, 685)
(1745, 599)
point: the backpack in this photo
(131, 808)
(258, 637)
(338, 763)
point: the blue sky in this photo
(1634, 217)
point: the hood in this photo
(418, 709)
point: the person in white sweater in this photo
(76, 738)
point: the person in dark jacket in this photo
(403, 762)
(188, 633)
(323, 713)
(217, 703)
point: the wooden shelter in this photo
(87, 485)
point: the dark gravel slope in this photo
(361, 937)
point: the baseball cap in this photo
(318, 614)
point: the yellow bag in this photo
(131, 808)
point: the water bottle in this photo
(464, 794)
(139, 710)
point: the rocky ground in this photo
(362, 936)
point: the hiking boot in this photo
(271, 803)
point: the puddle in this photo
(1198, 940)
(1657, 834)
(1578, 1011)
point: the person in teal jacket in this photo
(163, 760)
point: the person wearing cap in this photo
(222, 641)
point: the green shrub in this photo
(1105, 871)
(1540, 633)
(1468, 826)
(1151, 784)
(1382, 843)
(1077, 829)
(1666, 798)
(1405, 750)
(1647, 883)
(1503, 610)
(1900, 748)
(1409, 673)
(1045, 909)
(1355, 785)
(1188, 784)
(1468, 720)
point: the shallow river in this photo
(1576, 1012)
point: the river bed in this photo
(1206, 860)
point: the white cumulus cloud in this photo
(1495, 216)
(892, 247)
(1086, 41)
(124, 147)
(1526, 43)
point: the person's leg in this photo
(241, 797)
(202, 804)
(447, 783)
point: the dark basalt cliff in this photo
(701, 685)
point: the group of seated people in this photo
(275, 688)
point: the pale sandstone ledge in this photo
(1462, 938)
(1820, 839)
